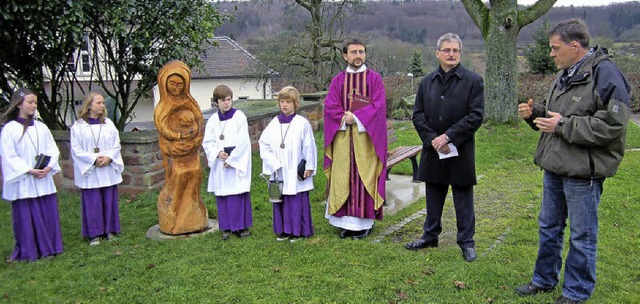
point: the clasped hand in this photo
(441, 144)
(102, 161)
(40, 173)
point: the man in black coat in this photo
(449, 109)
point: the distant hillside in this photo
(420, 22)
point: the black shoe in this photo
(469, 254)
(565, 300)
(421, 244)
(346, 233)
(226, 235)
(530, 289)
(357, 235)
(244, 233)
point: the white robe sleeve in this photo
(270, 162)
(240, 158)
(83, 160)
(210, 141)
(112, 140)
(309, 149)
(13, 166)
(50, 147)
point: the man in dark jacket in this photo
(583, 123)
(449, 108)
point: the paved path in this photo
(407, 193)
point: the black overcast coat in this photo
(456, 108)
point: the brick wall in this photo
(143, 160)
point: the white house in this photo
(230, 64)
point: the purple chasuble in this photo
(373, 117)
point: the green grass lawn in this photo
(326, 269)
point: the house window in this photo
(243, 97)
(80, 60)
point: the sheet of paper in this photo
(453, 152)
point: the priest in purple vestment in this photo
(355, 141)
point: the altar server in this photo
(288, 151)
(25, 143)
(97, 167)
(228, 148)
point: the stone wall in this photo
(143, 160)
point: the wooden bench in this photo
(401, 153)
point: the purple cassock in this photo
(36, 227)
(234, 212)
(293, 216)
(373, 117)
(100, 213)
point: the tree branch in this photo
(479, 13)
(533, 12)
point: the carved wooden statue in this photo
(181, 128)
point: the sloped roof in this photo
(228, 60)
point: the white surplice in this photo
(237, 178)
(85, 137)
(19, 156)
(299, 144)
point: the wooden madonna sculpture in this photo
(180, 125)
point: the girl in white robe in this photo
(285, 142)
(30, 188)
(97, 168)
(228, 148)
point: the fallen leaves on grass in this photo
(411, 281)
(117, 252)
(489, 300)
(459, 284)
(401, 294)
(428, 271)
(150, 266)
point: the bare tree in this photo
(500, 26)
(313, 55)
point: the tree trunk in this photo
(501, 76)
(500, 26)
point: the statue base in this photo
(154, 232)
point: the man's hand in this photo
(349, 118)
(440, 143)
(548, 124)
(525, 109)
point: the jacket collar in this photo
(459, 71)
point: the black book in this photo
(301, 168)
(42, 161)
(228, 149)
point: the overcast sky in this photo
(577, 3)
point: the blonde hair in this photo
(83, 112)
(290, 93)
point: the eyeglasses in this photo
(449, 51)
